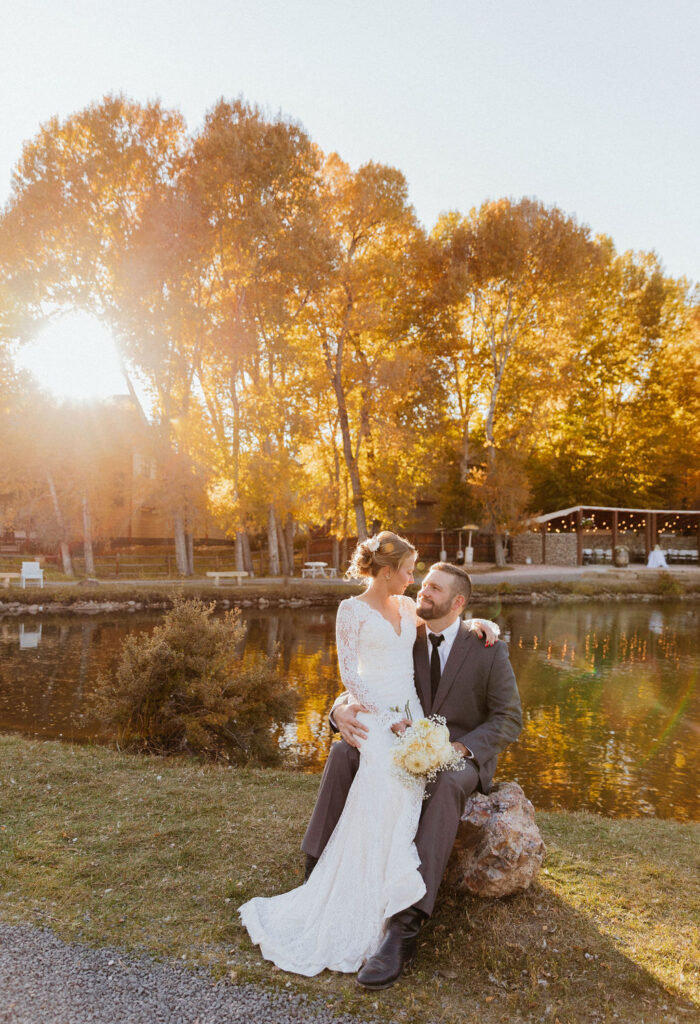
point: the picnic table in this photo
(7, 576)
(237, 575)
(318, 570)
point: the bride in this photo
(368, 870)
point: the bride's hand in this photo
(485, 630)
(399, 728)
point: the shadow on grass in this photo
(533, 957)
(525, 958)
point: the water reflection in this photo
(610, 693)
(29, 638)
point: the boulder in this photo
(498, 850)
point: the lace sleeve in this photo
(348, 625)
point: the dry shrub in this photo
(187, 688)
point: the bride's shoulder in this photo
(408, 605)
(351, 606)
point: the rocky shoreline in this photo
(480, 599)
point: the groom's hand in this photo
(347, 724)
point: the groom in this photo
(474, 689)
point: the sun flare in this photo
(74, 358)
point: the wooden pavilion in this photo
(599, 529)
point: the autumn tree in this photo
(257, 182)
(80, 195)
(519, 271)
(358, 325)
(628, 431)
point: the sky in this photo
(590, 105)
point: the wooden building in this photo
(589, 534)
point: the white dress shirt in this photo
(445, 647)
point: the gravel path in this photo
(46, 981)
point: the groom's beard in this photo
(428, 609)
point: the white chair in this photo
(32, 571)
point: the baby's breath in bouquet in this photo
(424, 749)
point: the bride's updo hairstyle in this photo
(385, 549)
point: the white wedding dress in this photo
(369, 868)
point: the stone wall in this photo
(560, 548)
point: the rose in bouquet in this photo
(424, 749)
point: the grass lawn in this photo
(156, 855)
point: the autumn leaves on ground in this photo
(300, 349)
(610, 932)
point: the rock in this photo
(498, 849)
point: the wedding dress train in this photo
(369, 868)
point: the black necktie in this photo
(435, 670)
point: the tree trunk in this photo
(247, 553)
(87, 539)
(499, 548)
(272, 546)
(336, 553)
(239, 552)
(358, 500)
(189, 542)
(282, 548)
(181, 556)
(62, 539)
(289, 530)
(464, 454)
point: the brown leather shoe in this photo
(397, 949)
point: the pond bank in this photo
(155, 855)
(515, 585)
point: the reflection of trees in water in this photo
(609, 691)
(306, 651)
(43, 690)
(609, 695)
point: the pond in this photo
(610, 693)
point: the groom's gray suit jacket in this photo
(477, 696)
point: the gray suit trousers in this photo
(438, 824)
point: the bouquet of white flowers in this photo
(424, 749)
